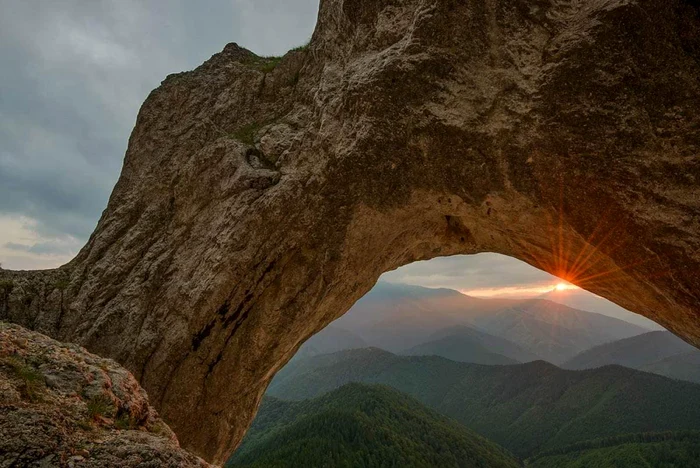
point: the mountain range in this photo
(659, 352)
(399, 318)
(329, 340)
(584, 300)
(684, 366)
(410, 376)
(467, 344)
(525, 408)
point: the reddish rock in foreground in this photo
(62, 406)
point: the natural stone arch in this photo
(259, 200)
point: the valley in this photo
(551, 385)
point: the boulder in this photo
(62, 406)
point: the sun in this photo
(563, 286)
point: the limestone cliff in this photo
(261, 197)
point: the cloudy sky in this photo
(481, 275)
(493, 275)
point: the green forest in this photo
(658, 450)
(370, 426)
(362, 426)
(526, 408)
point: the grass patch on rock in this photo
(246, 134)
(123, 422)
(32, 381)
(302, 47)
(99, 406)
(263, 64)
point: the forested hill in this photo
(658, 352)
(635, 352)
(667, 449)
(467, 344)
(524, 407)
(360, 425)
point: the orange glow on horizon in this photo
(526, 290)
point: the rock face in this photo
(62, 406)
(260, 198)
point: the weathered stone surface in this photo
(258, 200)
(62, 406)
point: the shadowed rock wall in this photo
(260, 199)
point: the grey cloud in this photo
(17, 247)
(41, 248)
(469, 272)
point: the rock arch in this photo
(260, 197)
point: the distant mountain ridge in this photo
(659, 352)
(330, 340)
(525, 407)
(685, 366)
(584, 300)
(362, 425)
(467, 344)
(398, 317)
